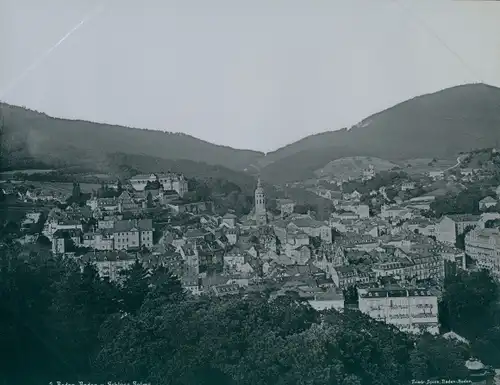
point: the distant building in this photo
(411, 310)
(225, 290)
(436, 175)
(331, 299)
(229, 220)
(133, 234)
(486, 203)
(169, 181)
(361, 210)
(286, 207)
(101, 240)
(126, 203)
(313, 228)
(451, 226)
(405, 186)
(109, 264)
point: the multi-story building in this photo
(363, 211)
(313, 228)
(345, 276)
(286, 207)
(133, 234)
(425, 266)
(483, 245)
(410, 310)
(101, 240)
(109, 264)
(331, 299)
(451, 226)
(52, 226)
(169, 181)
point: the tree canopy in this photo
(60, 320)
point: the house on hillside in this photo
(405, 186)
(354, 196)
(169, 181)
(486, 203)
(436, 175)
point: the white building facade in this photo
(410, 310)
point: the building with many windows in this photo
(483, 245)
(169, 181)
(133, 234)
(411, 310)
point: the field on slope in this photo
(353, 167)
(63, 188)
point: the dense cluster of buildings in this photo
(395, 256)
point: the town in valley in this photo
(384, 245)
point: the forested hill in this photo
(438, 125)
(29, 135)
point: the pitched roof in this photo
(128, 225)
(67, 233)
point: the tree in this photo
(149, 200)
(165, 288)
(460, 242)
(43, 241)
(433, 354)
(76, 192)
(315, 242)
(351, 295)
(467, 303)
(254, 240)
(119, 188)
(135, 287)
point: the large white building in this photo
(169, 181)
(451, 226)
(411, 310)
(483, 245)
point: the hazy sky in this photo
(250, 74)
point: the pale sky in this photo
(249, 74)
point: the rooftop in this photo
(130, 225)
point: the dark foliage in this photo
(470, 307)
(58, 321)
(62, 142)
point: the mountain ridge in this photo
(438, 124)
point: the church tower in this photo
(260, 205)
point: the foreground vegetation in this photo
(58, 322)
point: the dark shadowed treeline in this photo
(60, 323)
